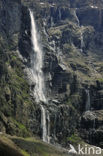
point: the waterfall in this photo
(37, 64)
(60, 14)
(37, 76)
(52, 21)
(82, 40)
(76, 17)
(88, 100)
(81, 32)
(43, 121)
(48, 126)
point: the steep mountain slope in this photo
(29, 146)
(70, 34)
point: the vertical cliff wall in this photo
(70, 34)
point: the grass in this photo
(24, 153)
(36, 147)
(17, 146)
(14, 91)
(75, 139)
(100, 80)
(8, 148)
(22, 129)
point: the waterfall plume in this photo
(38, 77)
(37, 63)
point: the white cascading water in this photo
(52, 21)
(76, 17)
(82, 40)
(48, 126)
(38, 64)
(38, 77)
(60, 14)
(43, 122)
(81, 32)
(88, 100)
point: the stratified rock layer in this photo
(71, 39)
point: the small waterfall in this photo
(38, 77)
(60, 14)
(44, 28)
(52, 21)
(48, 126)
(88, 105)
(43, 121)
(82, 40)
(76, 17)
(81, 32)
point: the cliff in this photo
(70, 33)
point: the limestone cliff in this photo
(71, 38)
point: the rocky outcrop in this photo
(69, 71)
(15, 99)
(91, 124)
(71, 39)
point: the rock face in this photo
(15, 100)
(71, 39)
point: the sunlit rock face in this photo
(70, 35)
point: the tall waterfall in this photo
(38, 77)
(37, 64)
(88, 100)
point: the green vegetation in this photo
(15, 99)
(21, 128)
(100, 80)
(75, 139)
(36, 147)
(8, 148)
(74, 102)
(24, 153)
(28, 147)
